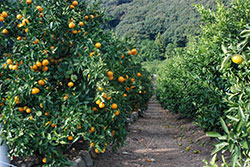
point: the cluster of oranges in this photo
(40, 65)
(66, 85)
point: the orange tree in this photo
(211, 88)
(63, 78)
(236, 125)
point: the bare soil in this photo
(160, 139)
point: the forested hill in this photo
(144, 19)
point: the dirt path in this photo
(160, 140)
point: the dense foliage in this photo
(62, 78)
(209, 80)
(146, 19)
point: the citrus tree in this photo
(210, 79)
(63, 78)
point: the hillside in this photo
(144, 19)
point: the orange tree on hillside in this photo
(63, 78)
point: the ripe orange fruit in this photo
(16, 98)
(74, 32)
(237, 59)
(92, 144)
(53, 125)
(41, 82)
(36, 41)
(70, 138)
(66, 97)
(114, 106)
(26, 30)
(5, 31)
(104, 150)
(45, 68)
(81, 23)
(4, 14)
(28, 110)
(10, 66)
(113, 132)
(101, 105)
(92, 129)
(72, 25)
(34, 67)
(28, 1)
(100, 89)
(24, 22)
(19, 16)
(111, 78)
(117, 113)
(104, 96)
(123, 56)
(44, 160)
(70, 84)
(41, 105)
(39, 8)
(19, 25)
(19, 38)
(133, 79)
(138, 74)
(110, 73)
(97, 151)
(14, 67)
(45, 62)
(75, 3)
(92, 16)
(1, 18)
(91, 54)
(72, 6)
(124, 95)
(35, 91)
(79, 127)
(98, 45)
(9, 61)
(108, 98)
(21, 109)
(98, 102)
(38, 64)
(25, 108)
(121, 79)
(134, 52)
(94, 109)
(86, 17)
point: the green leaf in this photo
(225, 61)
(244, 144)
(224, 126)
(239, 126)
(232, 118)
(219, 147)
(224, 49)
(74, 78)
(213, 160)
(241, 113)
(213, 134)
